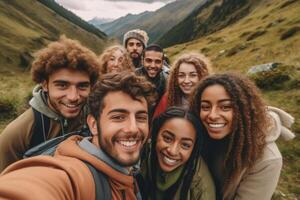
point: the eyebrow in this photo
(220, 101)
(120, 110)
(169, 132)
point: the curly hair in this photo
(64, 53)
(250, 122)
(202, 66)
(105, 56)
(191, 165)
(127, 82)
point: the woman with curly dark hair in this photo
(239, 146)
(174, 168)
(115, 59)
(186, 72)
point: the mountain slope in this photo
(28, 25)
(155, 23)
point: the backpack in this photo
(48, 147)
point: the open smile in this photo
(169, 161)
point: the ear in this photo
(92, 123)
(45, 86)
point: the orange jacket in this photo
(63, 176)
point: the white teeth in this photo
(71, 105)
(127, 143)
(169, 160)
(216, 125)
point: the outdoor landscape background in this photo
(234, 34)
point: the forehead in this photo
(135, 41)
(187, 67)
(180, 128)
(215, 92)
(121, 100)
(69, 75)
(117, 53)
(153, 54)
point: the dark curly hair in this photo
(250, 122)
(202, 66)
(127, 82)
(105, 56)
(190, 167)
(64, 53)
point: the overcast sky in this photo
(88, 9)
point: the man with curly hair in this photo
(65, 72)
(119, 123)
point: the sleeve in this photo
(261, 181)
(14, 139)
(203, 187)
(44, 177)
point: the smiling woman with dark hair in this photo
(174, 168)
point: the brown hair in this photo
(127, 82)
(105, 56)
(64, 53)
(250, 122)
(203, 69)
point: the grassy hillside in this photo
(270, 32)
(26, 26)
(155, 23)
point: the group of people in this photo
(155, 131)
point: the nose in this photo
(213, 114)
(73, 94)
(173, 149)
(186, 79)
(132, 126)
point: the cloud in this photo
(88, 9)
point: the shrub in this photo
(275, 79)
(256, 34)
(289, 33)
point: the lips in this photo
(216, 125)
(169, 161)
(129, 144)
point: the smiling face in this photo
(175, 143)
(115, 60)
(216, 111)
(187, 78)
(67, 91)
(153, 61)
(123, 127)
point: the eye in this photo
(148, 60)
(186, 145)
(205, 107)
(182, 76)
(226, 107)
(139, 44)
(61, 85)
(193, 75)
(83, 86)
(118, 118)
(158, 62)
(142, 118)
(167, 138)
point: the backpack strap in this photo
(102, 187)
(40, 128)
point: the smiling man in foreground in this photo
(119, 125)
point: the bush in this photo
(8, 108)
(289, 33)
(275, 79)
(255, 35)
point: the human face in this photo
(134, 48)
(175, 143)
(123, 127)
(67, 91)
(114, 63)
(153, 61)
(216, 111)
(187, 78)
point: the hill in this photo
(267, 31)
(155, 23)
(28, 25)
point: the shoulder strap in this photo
(40, 128)
(103, 190)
